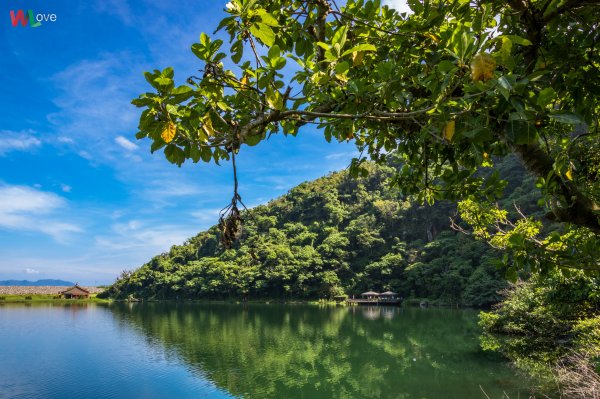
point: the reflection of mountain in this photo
(305, 352)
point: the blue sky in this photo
(80, 198)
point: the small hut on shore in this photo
(75, 292)
(370, 295)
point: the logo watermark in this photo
(30, 18)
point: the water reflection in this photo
(80, 350)
(376, 312)
(272, 351)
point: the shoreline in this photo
(7, 290)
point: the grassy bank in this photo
(47, 298)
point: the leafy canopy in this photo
(448, 89)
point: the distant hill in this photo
(27, 283)
(332, 236)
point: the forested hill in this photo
(332, 236)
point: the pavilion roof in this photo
(370, 293)
(76, 289)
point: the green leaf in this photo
(274, 99)
(204, 39)
(462, 42)
(355, 49)
(274, 52)
(174, 154)
(416, 6)
(150, 78)
(252, 139)
(224, 22)
(264, 33)
(182, 93)
(168, 72)
(157, 145)
(247, 5)
(278, 63)
(567, 117)
(195, 153)
(477, 135)
(266, 18)
(181, 90)
(340, 36)
(200, 51)
(237, 50)
(545, 96)
(219, 57)
(521, 132)
(163, 81)
(205, 154)
(446, 66)
(506, 58)
(512, 275)
(504, 87)
(518, 40)
(142, 101)
(342, 68)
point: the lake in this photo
(190, 350)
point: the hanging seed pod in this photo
(230, 226)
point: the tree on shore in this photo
(447, 89)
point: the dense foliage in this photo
(446, 88)
(550, 327)
(335, 235)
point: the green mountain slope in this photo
(331, 236)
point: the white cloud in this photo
(66, 188)
(117, 8)
(65, 140)
(128, 145)
(24, 208)
(399, 5)
(31, 271)
(207, 217)
(85, 155)
(341, 155)
(16, 199)
(161, 189)
(94, 100)
(143, 238)
(17, 141)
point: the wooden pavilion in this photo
(388, 296)
(75, 292)
(371, 298)
(370, 295)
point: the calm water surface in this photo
(169, 350)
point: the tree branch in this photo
(325, 111)
(568, 6)
(581, 210)
(323, 9)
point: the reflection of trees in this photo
(305, 352)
